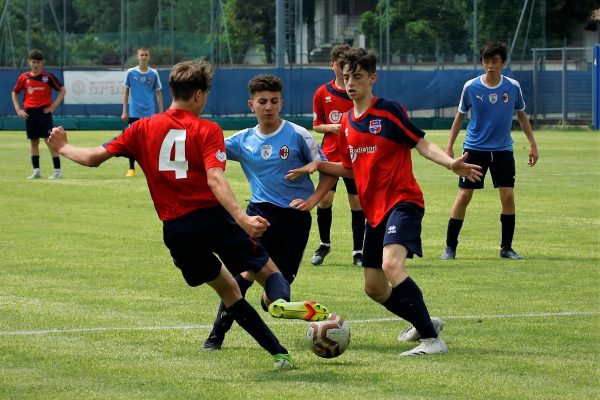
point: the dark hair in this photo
(338, 50)
(358, 57)
(36, 54)
(187, 77)
(263, 82)
(143, 49)
(490, 49)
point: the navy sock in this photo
(508, 230)
(277, 287)
(224, 320)
(56, 162)
(406, 301)
(454, 227)
(131, 163)
(250, 321)
(324, 223)
(358, 229)
(35, 161)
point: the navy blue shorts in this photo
(401, 226)
(350, 186)
(196, 239)
(39, 124)
(285, 239)
(500, 163)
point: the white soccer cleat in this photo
(35, 175)
(411, 334)
(428, 346)
(56, 175)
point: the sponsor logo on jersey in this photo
(335, 116)
(375, 126)
(220, 155)
(284, 152)
(32, 89)
(265, 151)
(493, 97)
(505, 97)
(327, 99)
(391, 229)
(354, 152)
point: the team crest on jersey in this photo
(327, 99)
(284, 152)
(375, 126)
(221, 156)
(505, 97)
(45, 79)
(265, 151)
(493, 98)
(335, 116)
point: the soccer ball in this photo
(328, 338)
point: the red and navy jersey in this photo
(37, 89)
(377, 146)
(329, 105)
(174, 149)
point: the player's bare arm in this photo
(254, 226)
(327, 128)
(325, 184)
(454, 130)
(526, 126)
(326, 167)
(59, 98)
(432, 152)
(124, 114)
(20, 112)
(89, 157)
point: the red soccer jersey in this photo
(329, 105)
(174, 149)
(377, 146)
(37, 89)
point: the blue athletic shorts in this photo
(39, 124)
(286, 237)
(500, 163)
(196, 239)
(401, 226)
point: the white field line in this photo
(357, 321)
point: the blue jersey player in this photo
(266, 153)
(142, 84)
(492, 99)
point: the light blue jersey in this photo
(142, 87)
(266, 160)
(492, 110)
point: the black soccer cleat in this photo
(448, 254)
(510, 254)
(213, 343)
(319, 256)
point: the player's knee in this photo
(375, 292)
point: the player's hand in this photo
(22, 114)
(533, 156)
(124, 117)
(472, 172)
(57, 138)
(254, 226)
(450, 151)
(303, 205)
(298, 172)
(336, 128)
(48, 110)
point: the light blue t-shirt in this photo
(142, 87)
(492, 110)
(266, 160)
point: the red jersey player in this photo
(330, 103)
(375, 148)
(183, 158)
(37, 108)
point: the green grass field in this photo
(91, 306)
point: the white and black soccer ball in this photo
(329, 338)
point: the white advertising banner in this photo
(94, 87)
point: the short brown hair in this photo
(358, 57)
(36, 54)
(264, 82)
(338, 50)
(187, 77)
(490, 49)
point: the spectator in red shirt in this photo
(37, 108)
(183, 158)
